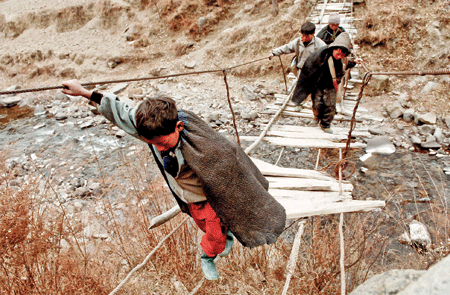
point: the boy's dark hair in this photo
(156, 116)
(308, 28)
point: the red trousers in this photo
(215, 237)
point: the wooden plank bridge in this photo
(309, 192)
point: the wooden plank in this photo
(268, 169)
(307, 184)
(309, 143)
(304, 129)
(309, 197)
(317, 134)
(296, 210)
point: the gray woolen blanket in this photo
(233, 185)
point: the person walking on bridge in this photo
(330, 32)
(302, 46)
(320, 76)
(211, 177)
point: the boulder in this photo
(390, 282)
(379, 83)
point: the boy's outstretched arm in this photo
(74, 88)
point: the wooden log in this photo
(163, 218)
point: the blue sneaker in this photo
(209, 267)
(230, 241)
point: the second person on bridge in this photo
(320, 76)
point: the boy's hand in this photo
(74, 88)
(336, 85)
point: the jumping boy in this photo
(211, 177)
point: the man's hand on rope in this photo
(74, 88)
(271, 55)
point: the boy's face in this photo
(338, 54)
(166, 142)
(334, 27)
(307, 37)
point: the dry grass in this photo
(46, 249)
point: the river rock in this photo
(249, 93)
(394, 110)
(428, 118)
(10, 101)
(435, 281)
(190, 64)
(381, 145)
(429, 87)
(250, 116)
(430, 145)
(40, 111)
(408, 115)
(415, 140)
(86, 124)
(419, 234)
(438, 135)
(120, 133)
(426, 129)
(201, 23)
(447, 121)
(60, 115)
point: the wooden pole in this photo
(139, 266)
(294, 255)
(163, 218)
(274, 118)
(341, 232)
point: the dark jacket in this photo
(315, 72)
(328, 35)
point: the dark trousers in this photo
(324, 106)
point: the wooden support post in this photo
(317, 161)
(341, 232)
(294, 255)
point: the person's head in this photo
(334, 20)
(308, 29)
(340, 52)
(342, 46)
(157, 122)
